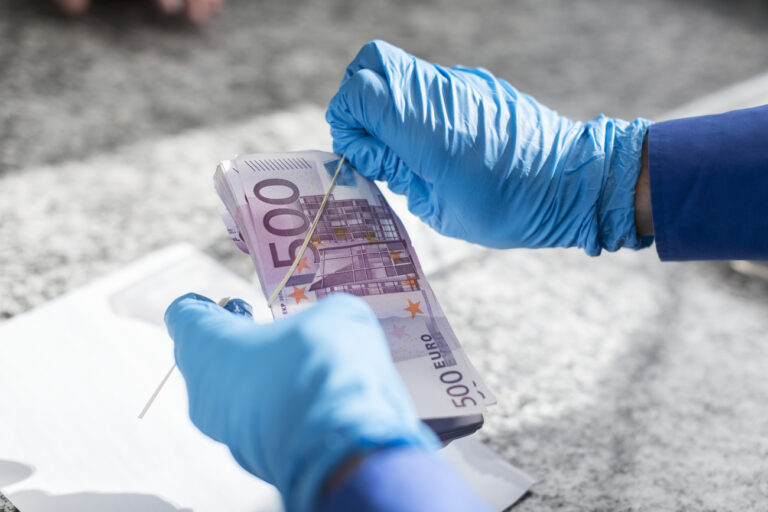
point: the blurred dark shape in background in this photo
(195, 11)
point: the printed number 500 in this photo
(457, 390)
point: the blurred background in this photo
(624, 384)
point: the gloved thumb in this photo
(199, 327)
(237, 306)
(185, 310)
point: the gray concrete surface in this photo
(624, 384)
(71, 88)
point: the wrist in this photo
(342, 473)
(643, 210)
(616, 212)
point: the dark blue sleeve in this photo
(709, 186)
(404, 480)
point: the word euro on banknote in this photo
(359, 247)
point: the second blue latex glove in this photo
(295, 399)
(480, 161)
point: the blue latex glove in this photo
(295, 399)
(480, 161)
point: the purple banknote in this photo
(359, 246)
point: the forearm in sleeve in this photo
(709, 186)
(403, 480)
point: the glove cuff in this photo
(615, 209)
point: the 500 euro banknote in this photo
(359, 247)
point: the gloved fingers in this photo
(380, 57)
(364, 104)
(373, 159)
(480, 74)
(238, 307)
(421, 200)
(199, 327)
(367, 126)
(321, 322)
(213, 352)
(180, 302)
(346, 304)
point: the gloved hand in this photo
(480, 161)
(295, 399)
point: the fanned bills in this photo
(359, 247)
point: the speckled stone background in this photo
(624, 384)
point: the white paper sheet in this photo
(75, 373)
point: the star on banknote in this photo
(395, 256)
(302, 265)
(413, 308)
(341, 233)
(398, 330)
(411, 281)
(299, 294)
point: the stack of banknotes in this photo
(360, 247)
